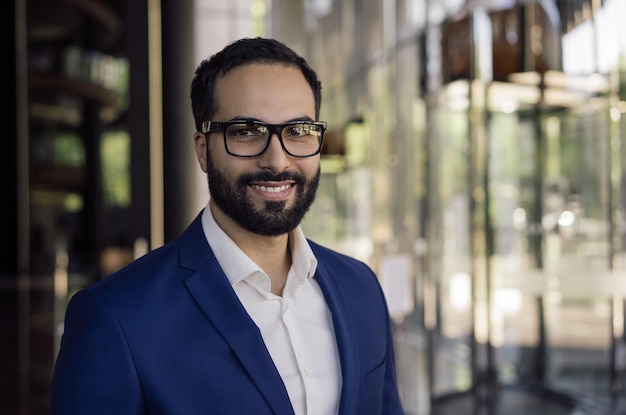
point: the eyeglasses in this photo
(244, 138)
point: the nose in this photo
(274, 157)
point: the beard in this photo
(231, 196)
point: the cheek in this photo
(215, 155)
(230, 167)
(310, 166)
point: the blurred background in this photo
(474, 159)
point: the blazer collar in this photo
(213, 293)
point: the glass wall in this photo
(475, 161)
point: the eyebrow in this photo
(252, 119)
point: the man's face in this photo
(269, 194)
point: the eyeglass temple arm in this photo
(206, 126)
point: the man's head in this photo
(239, 53)
(267, 91)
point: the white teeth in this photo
(272, 189)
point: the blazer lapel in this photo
(213, 293)
(346, 339)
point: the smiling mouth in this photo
(271, 189)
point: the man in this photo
(240, 314)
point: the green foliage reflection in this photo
(115, 159)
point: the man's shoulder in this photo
(326, 252)
(183, 252)
(354, 278)
(333, 259)
(152, 263)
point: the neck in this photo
(271, 253)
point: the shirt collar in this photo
(302, 257)
(238, 266)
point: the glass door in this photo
(448, 294)
(524, 246)
(525, 273)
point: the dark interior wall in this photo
(8, 214)
(8, 211)
(8, 144)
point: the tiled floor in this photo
(508, 402)
(575, 382)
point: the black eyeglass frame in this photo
(214, 126)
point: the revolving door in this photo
(526, 272)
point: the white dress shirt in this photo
(297, 328)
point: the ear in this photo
(200, 143)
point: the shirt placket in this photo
(298, 346)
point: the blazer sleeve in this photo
(391, 398)
(382, 381)
(94, 372)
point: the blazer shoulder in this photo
(155, 259)
(347, 272)
(337, 259)
(181, 256)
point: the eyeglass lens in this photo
(250, 139)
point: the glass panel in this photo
(579, 339)
(516, 283)
(550, 219)
(578, 252)
(115, 162)
(449, 241)
(576, 192)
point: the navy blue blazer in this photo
(168, 335)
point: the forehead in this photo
(268, 92)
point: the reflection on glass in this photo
(115, 153)
(450, 240)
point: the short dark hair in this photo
(239, 53)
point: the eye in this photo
(300, 130)
(246, 132)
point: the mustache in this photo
(262, 176)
